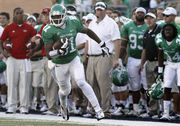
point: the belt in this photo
(36, 58)
(96, 55)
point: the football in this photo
(7, 45)
(57, 45)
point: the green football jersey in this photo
(135, 38)
(172, 51)
(51, 34)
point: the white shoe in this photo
(78, 111)
(87, 115)
(130, 113)
(133, 113)
(165, 117)
(177, 115)
(48, 113)
(99, 115)
(11, 110)
(24, 110)
(117, 112)
(44, 108)
(145, 115)
(65, 113)
(5, 106)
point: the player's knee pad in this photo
(65, 89)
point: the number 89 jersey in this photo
(172, 51)
(51, 34)
(135, 35)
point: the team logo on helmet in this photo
(57, 15)
(156, 91)
(119, 75)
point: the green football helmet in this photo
(156, 91)
(57, 15)
(119, 75)
(2, 66)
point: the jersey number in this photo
(133, 41)
(71, 45)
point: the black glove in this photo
(105, 50)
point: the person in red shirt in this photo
(18, 63)
(50, 87)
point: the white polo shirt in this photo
(107, 30)
(81, 38)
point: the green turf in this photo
(22, 122)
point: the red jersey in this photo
(19, 35)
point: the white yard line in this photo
(80, 120)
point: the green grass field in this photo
(22, 122)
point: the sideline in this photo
(81, 120)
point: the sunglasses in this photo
(165, 15)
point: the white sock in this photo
(130, 98)
(113, 100)
(3, 99)
(135, 107)
(90, 95)
(63, 99)
(166, 107)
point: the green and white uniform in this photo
(135, 42)
(69, 65)
(172, 52)
(135, 35)
(51, 34)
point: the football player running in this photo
(68, 62)
(168, 43)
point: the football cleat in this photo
(65, 113)
(99, 115)
(165, 117)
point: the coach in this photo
(150, 55)
(18, 64)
